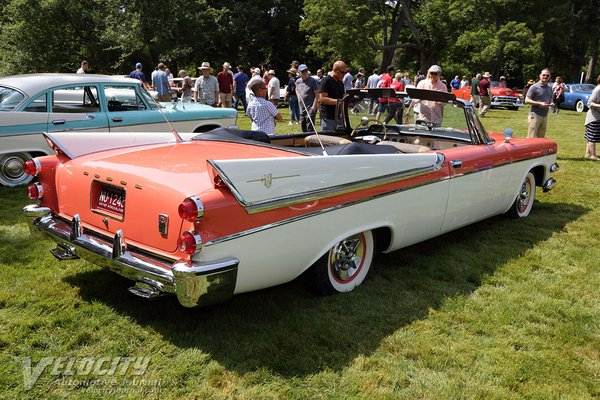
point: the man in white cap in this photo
(207, 87)
(256, 76)
(430, 111)
(307, 90)
(225, 86)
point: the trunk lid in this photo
(138, 189)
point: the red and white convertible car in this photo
(235, 211)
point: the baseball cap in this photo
(138, 65)
(302, 67)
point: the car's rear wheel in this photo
(11, 169)
(579, 106)
(344, 266)
(524, 200)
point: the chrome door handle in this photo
(117, 119)
(59, 121)
(456, 164)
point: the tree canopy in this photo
(505, 37)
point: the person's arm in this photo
(197, 90)
(540, 104)
(325, 99)
(315, 105)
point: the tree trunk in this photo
(591, 70)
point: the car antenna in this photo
(173, 131)
(312, 123)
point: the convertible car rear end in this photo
(232, 211)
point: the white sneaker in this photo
(291, 123)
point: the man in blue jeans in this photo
(332, 91)
(240, 80)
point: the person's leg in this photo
(392, 108)
(531, 125)
(541, 130)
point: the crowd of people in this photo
(260, 93)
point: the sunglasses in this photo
(433, 73)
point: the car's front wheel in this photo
(524, 200)
(11, 169)
(344, 266)
(579, 106)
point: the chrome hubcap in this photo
(347, 258)
(524, 196)
(13, 168)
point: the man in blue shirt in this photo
(455, 83)
(240, 80)
(161, 84)
(138, 74)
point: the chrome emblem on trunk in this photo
(163, 224)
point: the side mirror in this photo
(508, 134)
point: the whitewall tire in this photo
(344, 266)
(524, 200)
(11, 169)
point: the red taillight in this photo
(189, 242)
(32, 167)
(191, 209)
(35, 192)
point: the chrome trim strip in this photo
(352, 203)
(315, 213)
(289, 200)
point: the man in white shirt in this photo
(274, 88)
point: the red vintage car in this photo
(232, 211)
(501, 96)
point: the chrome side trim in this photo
(313, 195)
(352, 203)
(196, 283)
(315, 213)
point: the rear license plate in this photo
(111, 199)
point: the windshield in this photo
(9, 98)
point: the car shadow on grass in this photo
(291, 332)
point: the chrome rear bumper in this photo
(194, 283)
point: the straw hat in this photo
(271, 72)
(486, 75)
(205, 65)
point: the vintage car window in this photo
(75, 99)
(9, 98)
(584, 88)
(122, 98)
(149, 100)
(38, 104)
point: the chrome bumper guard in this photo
(549, 185)
(195, 283)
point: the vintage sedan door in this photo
(129, 110)
(74, 108)
(480, 183)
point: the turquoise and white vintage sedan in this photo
(36, 103)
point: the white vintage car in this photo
(234, 211)
(36, 103)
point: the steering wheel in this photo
(364, 121)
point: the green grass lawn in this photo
(502, 309)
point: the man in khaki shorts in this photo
(539, 96)
(225, 79)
